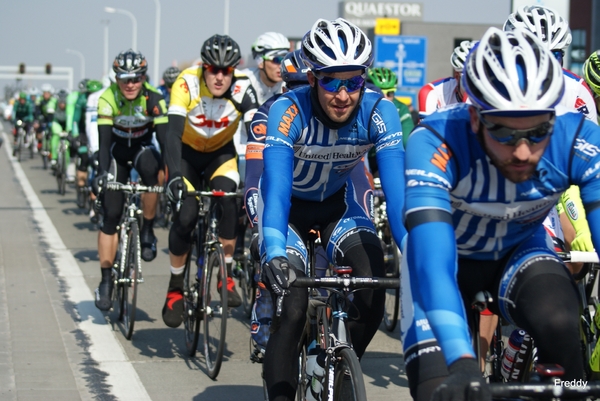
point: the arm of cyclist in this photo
(385, 125)
(276, 183)
(570, 203)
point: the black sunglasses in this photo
(510, 136)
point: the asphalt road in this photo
(55, 345)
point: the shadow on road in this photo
(228, 393)
(386, 373)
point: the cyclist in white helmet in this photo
(499, 166)
(445, 91)
(555, 33)
(316, 135)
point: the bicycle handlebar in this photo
(214, 194)
(579, 257)
(542, 390)
(339, 282)
(132, 188)
(347, 282)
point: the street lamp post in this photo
(226, 22)
(156, 43)
(81, 59)
(105, 22)
(112, 10)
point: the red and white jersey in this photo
(578, 96)
(438, 94)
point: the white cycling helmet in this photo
(336, 46)
(512, 73)
(34, 91)
(460, 53)
(544, 22)
(270, 43)
(47, 88)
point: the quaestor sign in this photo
(364, 14)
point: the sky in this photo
(36, 32)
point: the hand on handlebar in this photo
(175, 192)
(278, 275)
(99, 181)
(465, 382)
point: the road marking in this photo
(105, 349)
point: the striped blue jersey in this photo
(305, 159)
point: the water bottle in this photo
(514, 345)
(520, 358)
(315, 372)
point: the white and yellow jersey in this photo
(211, 122)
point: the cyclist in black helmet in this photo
(208, 103)
(169, 77)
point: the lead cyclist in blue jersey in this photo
(315, 136)
(480, 179)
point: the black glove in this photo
(98, 182)
(465, 382)
(175, 190)
(277, 275)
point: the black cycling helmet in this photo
(293, 70)
(170, 75)
(82, 86)
(220, 51)
(130, 63)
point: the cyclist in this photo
(129, 111)
(316, 135)
(496, 169)
(86, 88)
(555, 33)
(22, 111)
(445, 91)
(591, 74)
(386, 80)
(293, 72)
(169, 77)
(208, 103)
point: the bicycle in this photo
(61, 162)
(127, 269)
(45, 148)
(247, 269)
(326, 327)
(518, 380)
(392, 257)
(20, 142)
(203, 300)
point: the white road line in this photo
(105, 349)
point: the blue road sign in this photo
(405, 55)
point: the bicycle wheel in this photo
(214, 300)
(119, 289)
(191, 308)
(131, 274)
(302, 376)
(247, 285)
(392, 295)
(19, 146)
(61, 172)
(348, 381)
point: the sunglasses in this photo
(216, 70)
(275, 59)
(559, 55)
(136, 80)
(335, 85)
(510, 136)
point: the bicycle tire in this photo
(31, 147)
(120, 286)
(302, 376)
(214, 302)
(131, 273)
(19, 146)
(61, 175)
(248, 286)
(191, 308)
(44, 158)
(348, 382)
(392, 296)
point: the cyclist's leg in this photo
(112, 204)
(351, 240)
(180, 243)
(538, 294)
(147, 163)
(83, 162)
(222, 174)
(54, 142)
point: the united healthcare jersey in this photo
(438, 94)
(578, 96)
(307, 160)
(447, 169)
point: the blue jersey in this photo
(166, 94)
(305, 159)
(487, 215)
